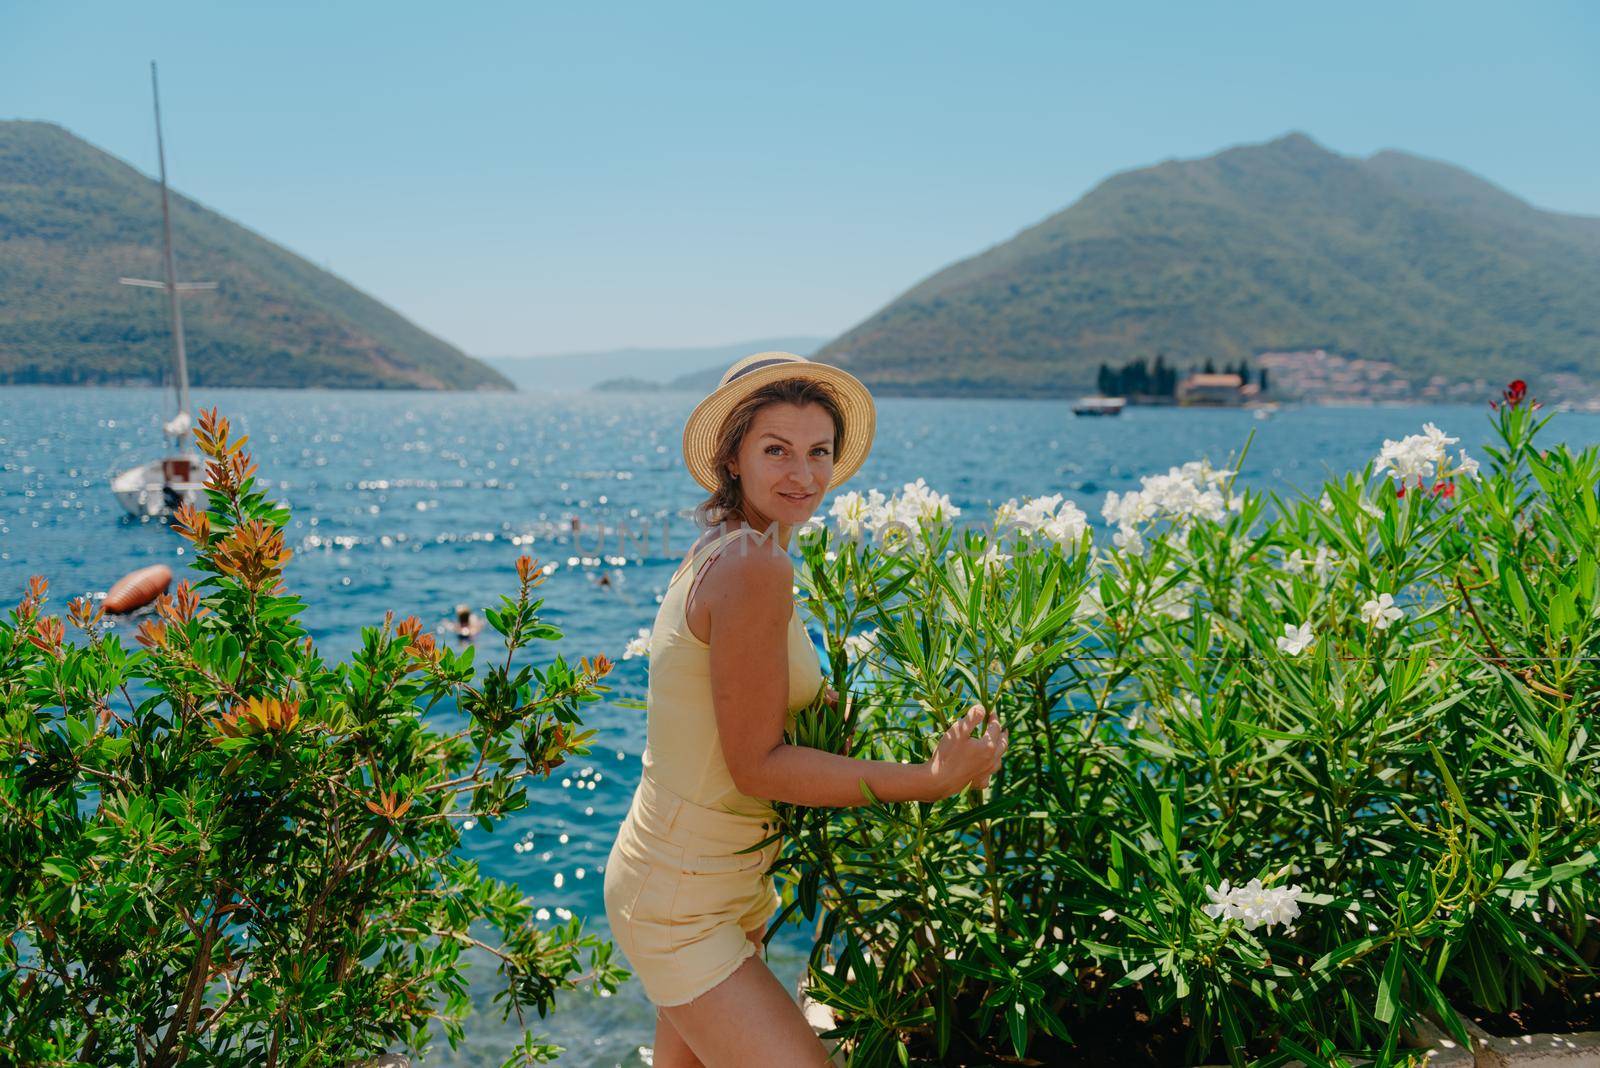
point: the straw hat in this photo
(704, 427)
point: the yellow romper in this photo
(679, 894)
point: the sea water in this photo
(418, 501)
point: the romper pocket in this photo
(716, 859)
(724, 863)
(642, 875)
(653, 901)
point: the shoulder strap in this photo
(698, 556)
(707, 551)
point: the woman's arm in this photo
(749, 599)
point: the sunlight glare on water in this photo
(415, 502)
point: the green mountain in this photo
(74, 219)
(1283, 246)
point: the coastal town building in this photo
(1216, 390)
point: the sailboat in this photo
(159, 487)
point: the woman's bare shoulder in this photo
(752, 570)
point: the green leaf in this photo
(61, 868)
(1017, 1021)
(1389, 986)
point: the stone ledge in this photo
(820, 1017)
(1579, 1049)
(1439, 1049)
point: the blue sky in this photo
(532, 178)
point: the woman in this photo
(730, 663)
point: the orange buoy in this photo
(138, 588)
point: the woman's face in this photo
(785, 463)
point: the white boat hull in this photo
(1099, 406)
(149, 491)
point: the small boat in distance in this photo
(1099, 406)
(158, 488)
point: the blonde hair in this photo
(727, 500)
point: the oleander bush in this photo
(220, 850)
(1285, 776)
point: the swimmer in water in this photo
(605, 581)
(467, 625)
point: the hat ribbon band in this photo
(760, 364)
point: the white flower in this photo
(1381, 612)
(1326, 563)
(1129, 541)
(1182, 495)
(906, 512)
(638, 646)
(1089, 603)
(1436, 437)
(1221, 900)
(1322, 565)
(849, 509)
(1066, 528)
(860, 645)
(1174, 601)
(1296, 640)
(1325, 502)
(1467, 465)
(1036, 512)
(1186, 704)
(916, 501)
(993, 558)
(1416, 456)
(1253, 904)
(853, 512)
(1050, 517)
(815, 525)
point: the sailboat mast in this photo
(174, 308)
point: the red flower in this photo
(1515, 393)
(1445, 489)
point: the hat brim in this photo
(856, 408)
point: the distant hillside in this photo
(590, 370)
(74, 219)
(1276, 247)
(706, 379)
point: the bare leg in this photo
(748, 1010)
(671, 1051)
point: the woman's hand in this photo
(961, 759)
